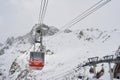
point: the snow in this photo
(70, 51)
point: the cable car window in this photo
(37, 56)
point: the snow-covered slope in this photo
(70, 50)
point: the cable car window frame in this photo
(34, 56)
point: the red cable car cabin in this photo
(36, 60)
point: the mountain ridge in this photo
(70, 49)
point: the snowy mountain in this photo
(69, 51)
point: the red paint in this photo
(36, 64)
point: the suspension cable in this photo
(75, 19)
(81, 16)
(43, 8)
(87, 14)
(44, 11)
(40, 13)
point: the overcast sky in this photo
(17, 17)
